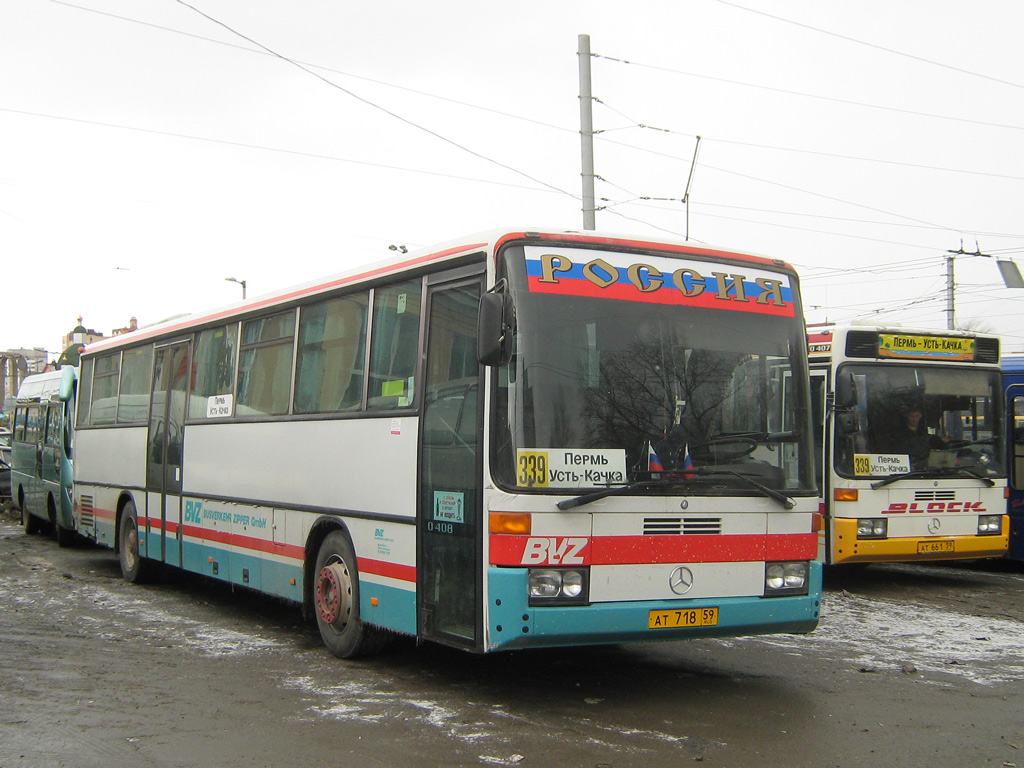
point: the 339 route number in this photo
(532, 469)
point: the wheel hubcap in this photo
(334, 595)
(131, 545)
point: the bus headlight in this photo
(558, 586)
(785, 579)
(990, 525)
(872, 528)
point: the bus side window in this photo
(20, 421)
(103, 408)
(54, 416)
(214, 364)
(332, 343)
(133, 393)
(33, 430)
(394, 341)
(84, 398)
(265, 368)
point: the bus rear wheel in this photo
(134, 567)
(336, 601)
(65, 536)
(29, 522)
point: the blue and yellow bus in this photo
(521, 439)
(41, 452)
(1013, 381)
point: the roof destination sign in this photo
(925, 347)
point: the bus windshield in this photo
(607, 391)
(918, 418)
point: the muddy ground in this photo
(911, 666)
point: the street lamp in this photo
(1007, 270)
(240, 282)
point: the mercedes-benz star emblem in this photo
(681, 580)
(934, 524)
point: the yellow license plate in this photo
(682, 617)
(927, 547)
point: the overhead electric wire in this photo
(833, 99)
(263, 147)
(263, 50)
(921, 59)
(552, 188)
(796, 150)
(378, 107)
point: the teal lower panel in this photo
(395, 608)
(247, 570)
(103, 532)
(513, 623)
(150, 546)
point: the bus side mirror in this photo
(494, 324)
(68, 377)
(846, 391)
(846, 422)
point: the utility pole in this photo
(1007, 270)
(950, 287)
(689, 183)
(586, 133)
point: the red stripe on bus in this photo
(252, 543)
(389, 570)
(622, 292)
(106, 514)
(638, 550)
(294, 551)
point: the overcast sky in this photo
(149, 149)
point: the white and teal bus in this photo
(41, 452)
(523, 439)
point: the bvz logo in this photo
(193, 512)
(543, 550)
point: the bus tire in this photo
(65, 536)
(31, 523)
(134, 567)
(336, 601)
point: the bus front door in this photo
(164, 448)
(449, 572)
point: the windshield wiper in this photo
(937, 472)
(670, 482)
(786, 501)
(603, 493)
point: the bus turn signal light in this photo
(844, 494)
(519, 523)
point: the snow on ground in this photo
(883, 634)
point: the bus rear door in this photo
(165, 444)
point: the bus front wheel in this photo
(336, 598)
(134, 567)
